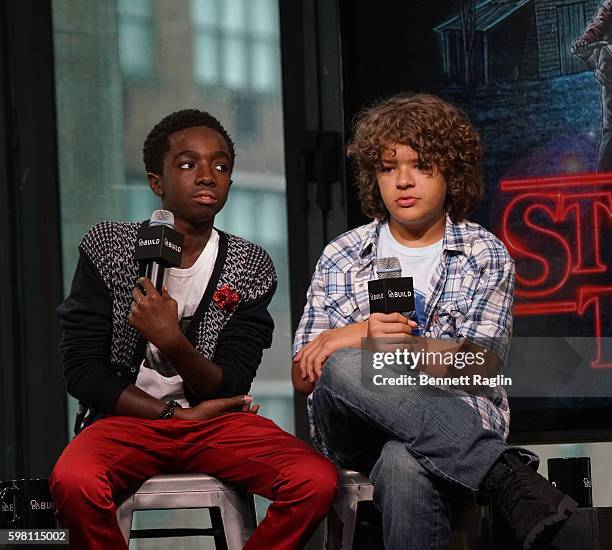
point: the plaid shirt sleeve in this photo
(314, 318)
(488, 321)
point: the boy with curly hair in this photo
(162, 378)
(417, 162)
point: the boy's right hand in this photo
(311, 358)
(393, 327)
(216, 407)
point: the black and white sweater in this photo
(101, 353)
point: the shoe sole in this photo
(544, 532)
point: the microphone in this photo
(388, 268)
(159, 246)
(391, 292)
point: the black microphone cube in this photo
(159, 243)
(391, 295)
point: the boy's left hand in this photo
(154, 315)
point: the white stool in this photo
(232, 513)
(353, 487)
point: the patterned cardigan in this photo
(101, 353)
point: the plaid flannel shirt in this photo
(469, 297)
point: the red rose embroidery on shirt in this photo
(226, 298)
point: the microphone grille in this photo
(162, 217)
(389, 268)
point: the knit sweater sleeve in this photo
(86, 328)
(247, 333)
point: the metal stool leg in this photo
(217, 523)
(237, 514)
(125, 513)
(341, 530)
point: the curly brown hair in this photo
(441, 135)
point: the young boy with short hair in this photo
(162, 379)
(417, 162)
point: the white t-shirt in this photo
(418, 263)
(157, 376)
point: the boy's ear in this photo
(155, 184)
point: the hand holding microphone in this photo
(154, 315)
(394, 327)
(159, 246)
(391, 298)
(153, 312)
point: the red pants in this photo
(113, 456)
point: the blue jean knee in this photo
(342, 371)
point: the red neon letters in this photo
(556, 229)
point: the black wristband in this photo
(168, 410)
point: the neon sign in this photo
(556, 229)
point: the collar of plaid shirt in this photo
(456, 241)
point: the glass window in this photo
(264, 67)
(205, 12)
(234, 15)
(135, 38)
(134, 8)
(232, 218)
(272, 226)
(235, 63)
(244, 38)
(139, 200)
(263, 17)
(206, 59)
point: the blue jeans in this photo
(418, 443)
